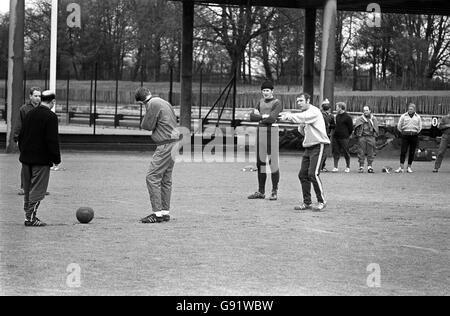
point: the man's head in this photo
(48, 99)
(267, 90)
(326, 106)
(304, 100)
(143, 95)
(35, 96)
(411, 109)
(341, 107)
(367, 111)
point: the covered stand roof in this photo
(437, 7)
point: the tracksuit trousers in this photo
(310, 173)
(159, 177)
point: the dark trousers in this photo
(341, 146)
(409, 142)
(326, 155)
(310, 173)
(268, 153)
(35, 184)
(442, 150)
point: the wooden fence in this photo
(426, 104)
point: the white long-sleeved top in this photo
(407, 124)
(312, 126)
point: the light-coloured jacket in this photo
(408, 125)
(312, 126)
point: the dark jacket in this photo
(330, 124)
(24, 110)
(39, 138)
(344, 126)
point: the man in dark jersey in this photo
(266, 113)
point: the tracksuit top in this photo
(312, 126)
(408, 125)
(161, 120)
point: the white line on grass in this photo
(422, 248)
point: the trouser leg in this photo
(413, 144)
(442, 150)
(316, 159)
(305, 179)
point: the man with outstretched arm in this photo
(312, 126)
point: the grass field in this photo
(220, 243)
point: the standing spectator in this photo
(39, 151)
(330, 125)
(266, 114)
(367, 130)
(34, 101)
(410, 126)
(341, 137)
(444, 126)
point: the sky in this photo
(4, 6)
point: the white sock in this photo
(165, 213)
(159, 214)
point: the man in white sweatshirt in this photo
(312, 126)
(410, 126)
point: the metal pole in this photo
(95, 98)
(171, 86)
(117, 99)
(15, 68)
(53, 45)
(90, 102)
(46, 80)
(200, 99)
(140, 120)
(24, 87)
(67, 92)
(233, 123)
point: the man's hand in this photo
(285, 116)
(256, 112)
(265, 116)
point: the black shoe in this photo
(152, 219)
(274, 196)
(257, 196)
(166, 218)
(436, 171)
(371, 171)
(35, 223)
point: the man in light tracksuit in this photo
(410, 126)
(312, 126)
(160, 119)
